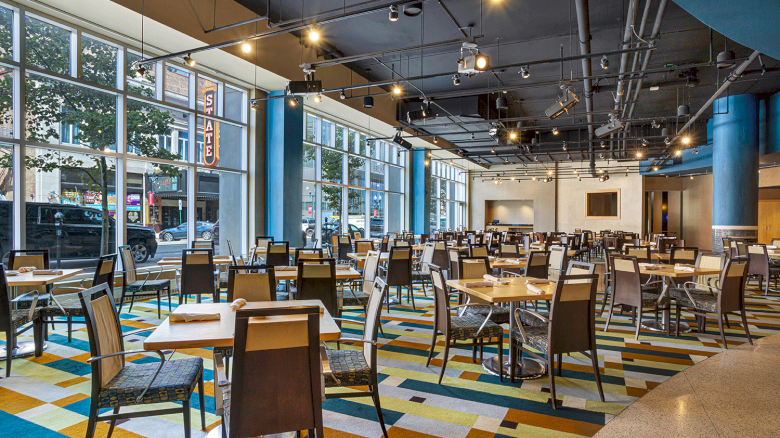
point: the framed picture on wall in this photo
(602, 204)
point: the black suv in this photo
(81, 231)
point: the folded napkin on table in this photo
(47, 272)
(513, 261)
(495, 279)
(473, 284)
(286, 268)
(24, 269)
(533, 289)
(11, 273)
(237, 304)
(536, 281)
(491, 258)
(684, 268)
(193, 316)
(649, 266)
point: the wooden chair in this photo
(573, 268)
(570, 327)
(71, 307)
(278, 254)
(277, 366)
(761, 267)
(149, 286)
(307, 253)
(197, 275)
(727, 297)
(478, 250)
(38, 258)
(116, 383)
(317, 281)
(399, 272)
(628, 290)
(476, 268)
(12, 320)
(474, 328)
(349, 368)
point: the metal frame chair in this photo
(628, 290)
(317, 281)
(399, 273)
(131, 284)
(197, 275)
(11, 320)
(277, 253)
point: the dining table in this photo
(176, 261)
(513, 293)
(383, 257)
(291, 273)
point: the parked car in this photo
(205, 231)
(81, 232)
(377, 227)
(308, 226)
(331, 228)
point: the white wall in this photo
(540, 194)
(510, 212)
(571, 203)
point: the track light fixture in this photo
(654, 124)
(536, 158)
(493, 151)
(342, 96)
(396, 90)
(393, 13)
(549, 172)
(140, 71)
(604, 62)
(314, 35)
(317, 98)
(563, 104)
(686, 139)
(601, 156)
(655, 169)
(294, 102)
(472, 136)
(564, 145)
(603, 145)
(513, 135)
(667, 141)
(695, 151)
(645, 142)
(429, 153)
(506, 160)
(501, 103)
(427, 163)
(568, 156)
(533, 178)
(524, 72)
(639, 154)
(246, 47)
(679, 152)
(435, 140)
(456, 79)
(451, 162)
(189, 61)
(368, 102)
(555, 131)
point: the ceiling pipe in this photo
(583, 25)
(627, 42)
(733, 77)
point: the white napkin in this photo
(473, 284)
(683, 268)
(495, 279)
(536, 281)
(193, 316)
(237, 304)
(513, 261)
(649, 266)
(533, 289)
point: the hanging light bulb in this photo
(246, 47)
(493, 151)
(435, 139)
(534, 178)
(549, 172)
(513, 135)
(472, 136)
(393, 13)
(678, 153)
(318, 98)
(686, 139)
(655, 169)
(342, 96)
(314, 35)
(555, 131)
(396, 90)
(639, 154)
(603, 145)
(427, 163)
(140, 72)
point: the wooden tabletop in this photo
(202, 334)
(504, 263)
(291, 273)
(570, 253)
(516, 290)
(263, 250)
(28, 279)
(661, 256)
(176, 261)
(669, 271)
(382, 257)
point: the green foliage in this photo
(332, 172)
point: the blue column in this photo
(421, 193)
(735, 139)
(773, 124)
(284, 169)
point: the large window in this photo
(448, 197)
(166, 148)
(359, 178)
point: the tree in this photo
(91, 113)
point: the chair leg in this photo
(9, 352)
(726, 320)
(559, 359)
(745, 326)
(92, 422)
(474, 351)
(444, 360)
(596, 374)
(722, 334)
(113, 423)
(609, 315)
(433, 344)
(552, 381)
(375, 396)
(638, 321)
(227, 367)
(411, 294)
(121, 303)
(158, 304)
(186, 410)
(169, 299)
(70, 329)
(132, 301)
(501, 358)
(202, 400)
(677, 321)
(38, 328)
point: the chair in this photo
(263, 241)
(685, 255)
(277, 367)
(134, 287)
(116, 383)
(383, 245)
(399, 272)
(509, 250)
(628, 290)
(476, 268)
(728, 296)
(460, 328)
(358, 296)
(557, 261)
(307, 253)
(571, 327)
(317, 281)
(538, 264)
(278, 254)
(420, 271)
(453, 258)
(359, 367)
(364, 246)
(573, 268)
(761, 267)
(71, 307)
(642, 253)
(401, 243)
(344, 247)
(11, 321)
(39, 258)
(203, 244)
(478, 250)
(197, 275)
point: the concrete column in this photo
(735, 138)
(284, 169)
(420, 192)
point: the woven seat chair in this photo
(761, 266)
(37, 258)
(317, 281)
(570, 327)
(149, 286)
(12, 320)
(420, 270)
(474, 328)
(574, 268)
(476, 268)
(116, 383)
(399, 273)
(628, 290)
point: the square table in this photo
(513, 293)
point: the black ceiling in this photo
(515, 32)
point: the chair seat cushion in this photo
(71, 306)
(349, 367)
(151, 285)
(176, 381)
(500, 314)
(650, 299)
(528, 319)
(21, 317)
(536, 337)
(352, 298)
(26, 302)
(702, 299)
(465, 327)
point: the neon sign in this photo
(210, 127)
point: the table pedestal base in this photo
(527, 368)
(23, 349)
(658, 326)
(217, 433)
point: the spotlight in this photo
(568, 156)
(472, 136)
(601, 156)
(506, 160)
(456, 79)
(562, 105)
(536, 158)
(691, 176)
(413, 9)
(686, 140)
(141, 71)
(524, 73)
(564, 145)
(313, 34)
(549, 172)
(501, 103)
(472, 64)
(534, 178)
(555, 131)
(645, 142)
(513, 135)
(427, 163)
(655, 169)
(342, 96)
(678, 153)
(396, 90)
(435, 140)
(601, 179)
(368, 102)
(605, 62)
(246, 47)
(482, 62)
(294, 102)
(451, 162)
(513, 178)
(639, 154)
(189, 61)
(695, 151)
(575, 170)
(725, 59)
(317, 98)
(667, 141)
(493, 151)
(612, 126)
(393, 13)
(603, 145)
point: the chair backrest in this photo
(372, 322)
(202, 244)
(383, 245)
(317, 281)
(370, 268)
(230, 248)
(626, 283)
(774, 242)
(642, 253)
(399, 267)
(307, 253)
(441, 310)
(509, 250)
(252, 283)
(478, 250)
(197, 272)
(18, 258)
(426, 257)
(104, 273)
(263, 241)
(401, 243)
(557, 260)
(680, 254)
(710, 261)
(473, 267)
(537, 264)
(105, 334)
(276, 365)
(278, 253)
(129, 275)
(364, 246)
(732, 284)
(580, 268)
(759, 259)
(453, 258)
(574, 300)
(5, 303)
